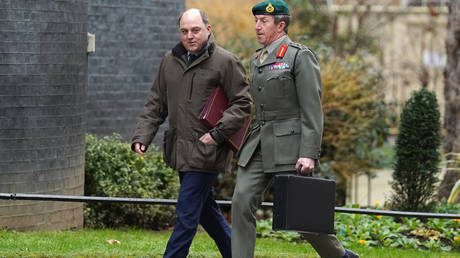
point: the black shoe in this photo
(350, 254)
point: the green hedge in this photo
(112, 169)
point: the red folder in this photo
(212, 113)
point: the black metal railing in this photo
(73, 198)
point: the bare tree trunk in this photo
(452, 94)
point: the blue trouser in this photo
(195, 205)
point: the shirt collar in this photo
(199, 53)
(270, 48)
(192, 57)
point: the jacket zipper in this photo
(191, 87)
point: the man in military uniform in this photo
(285, 82)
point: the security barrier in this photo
(71, 198)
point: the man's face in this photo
(194, 34)
(266, 29)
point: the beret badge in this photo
(270, 8)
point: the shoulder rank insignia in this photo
(282, 50)
(295, 44)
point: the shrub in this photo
(356, 119)
(387, 231)
(417, 155)
(112, 169)
(452, 163)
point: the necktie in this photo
(191, 58)
(264, 55)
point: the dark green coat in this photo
(287, 97)
(180, 93)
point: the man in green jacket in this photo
(185, 79)
(285, 83)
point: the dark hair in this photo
(204, 18)
(283, 17)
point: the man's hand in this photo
(207, 139)
(307, 165)
(140, 148)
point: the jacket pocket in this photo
(169, 150)
(191, 87)
(282, 76)
(287, 141)
(203, 155)
(280, 83)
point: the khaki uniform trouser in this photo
(251, 183)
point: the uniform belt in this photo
(276, 115)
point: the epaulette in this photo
(302, 47)
(297, 45)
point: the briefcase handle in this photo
(300, 174)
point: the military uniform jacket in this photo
(286, 89)
(180, 92)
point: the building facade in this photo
(131, 39)
(52, 93)
(43, 83)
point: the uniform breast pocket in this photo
(280, 82)
(287, 141)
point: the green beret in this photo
(271, 7)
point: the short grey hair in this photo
(204, 18)
(283, 17)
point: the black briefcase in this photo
(303, 204)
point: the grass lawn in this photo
(143, 243)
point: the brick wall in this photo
(43, 83)
(131, 38)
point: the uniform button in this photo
(260, 70)
(292, 131)
(263, 122)
(259, 88)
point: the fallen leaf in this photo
(113, 241)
